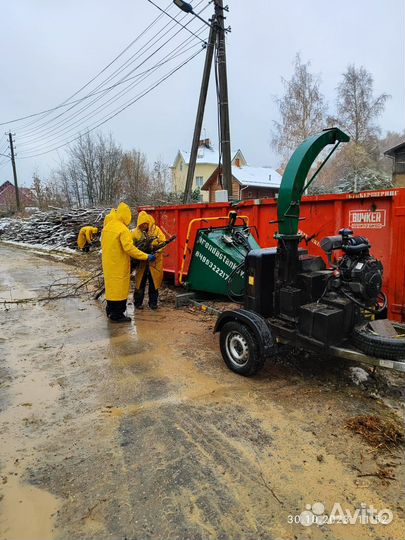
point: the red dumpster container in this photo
(378, 215)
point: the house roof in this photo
(392, 151)
(206, 155)
(7, 192)
(4, 186)
(262, 177)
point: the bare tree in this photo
(97, 172)
(302, 109)
(38, 190)
(359, 164)
(346, 169)
(91, 175)
(135, 177)
(161, 179)
(357, 108)
(48, 193)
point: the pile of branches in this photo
(379, 433)
(67, 287)
(56, 228)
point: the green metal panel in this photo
(213, 262)
(295, 174)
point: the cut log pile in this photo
(55, 228)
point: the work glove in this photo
(151, 258)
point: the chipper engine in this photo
(292, 297)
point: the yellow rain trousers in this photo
(86, 236)
(156, 268)
(117, 249)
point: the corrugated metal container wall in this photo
(378, 215)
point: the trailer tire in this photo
(240, 351)
(380, 346)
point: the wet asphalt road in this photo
(139, 431)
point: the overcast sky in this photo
(51, 49)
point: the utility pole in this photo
(216, 40)
(200, 112)
(17, 195)
(223, 99)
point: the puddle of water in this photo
(26, 512)
(30, 398)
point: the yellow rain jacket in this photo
(86, 236)
(112, 214)
(156, 268)
(117, 249)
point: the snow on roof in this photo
(257, 176)
(205, 154)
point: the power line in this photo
(43, 114)
(104, 91)
(169, 56)
(40, 129)
(67, 134)
(121, 109)
(67, 121)
(100, 85)
(5, 145)
(65, 102)
(165, 12)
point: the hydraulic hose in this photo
(363, 306)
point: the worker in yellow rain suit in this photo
(111, 215)
(117, 249)
(86, 237)
(148, 236)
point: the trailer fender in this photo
(257, 324)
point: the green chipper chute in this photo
(218, 259)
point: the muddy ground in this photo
(140, 431)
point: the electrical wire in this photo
(99, 91)
(5, 145)
(116, 112)
(66, 101)
(163, 11)
(55, 132)
(67, 127)
(61, 126)
(64, 133)
(122, 109)
(104, 91)
(39, 129)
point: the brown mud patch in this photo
(140, 431)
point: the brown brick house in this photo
(7, 197)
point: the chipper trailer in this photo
(294, 298)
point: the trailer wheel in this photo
(239, 349)
(384, 347)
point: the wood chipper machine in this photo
(291, 297)
(217, 264)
